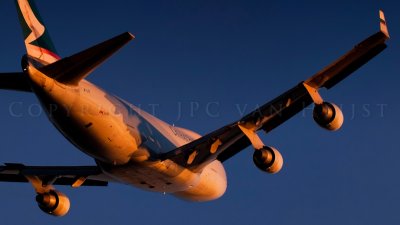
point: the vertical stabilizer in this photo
(37, 40)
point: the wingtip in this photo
(127, 36)
(383, 25)
(131, 35)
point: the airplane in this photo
(131, 146)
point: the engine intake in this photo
(268, 159)
(54, 203)
(328, 116)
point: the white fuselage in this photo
(124, 140)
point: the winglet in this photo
(383, 25)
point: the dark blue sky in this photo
(201, 63)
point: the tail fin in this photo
(37, 40)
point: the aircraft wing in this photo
(229, 140)
(15, 81)
(74, 176)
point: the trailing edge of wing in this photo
(352, 60)
(73, 69)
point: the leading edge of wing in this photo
(57, 175)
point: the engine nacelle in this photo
(268, 159)
(328, 116)
(54, 203)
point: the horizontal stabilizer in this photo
(15, 81)
(73, 69)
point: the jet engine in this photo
(268, 159)
(54, 203)
(328, 116)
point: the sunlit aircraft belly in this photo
(87, 117)
(106, 127)
(145, 171)
(125, 140)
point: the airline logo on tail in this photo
(37, 40)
